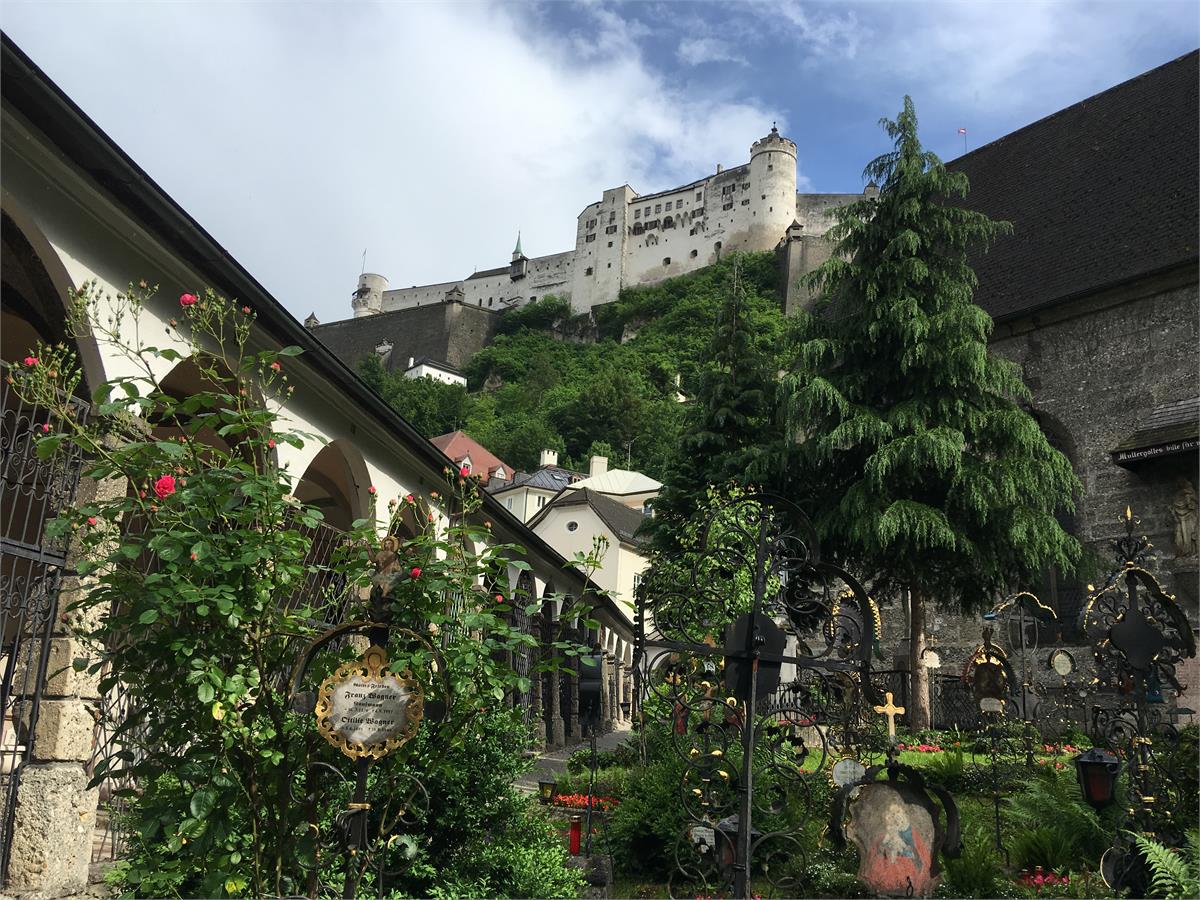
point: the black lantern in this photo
(547, 791)
(1097, 771)
(625, 707)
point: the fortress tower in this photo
(368, 297)
(772, 190)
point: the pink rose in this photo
(499, 598)
(91, 520)
(46, 428)
(275, 366)
(188, 299)
(371, 490)
(464, 471)
(164, 487)
(271, 443)
(416, 572)
(246, 310)
(31, 361)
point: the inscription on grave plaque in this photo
(365, 710)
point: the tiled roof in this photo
(488, 273)
(1099, 193)
(458, 445)
(623, 520)
(1169, 428)
(547, 478)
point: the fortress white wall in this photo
(625, 239)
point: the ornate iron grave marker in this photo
(752, 744)
(364, 710)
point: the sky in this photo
(302, 134)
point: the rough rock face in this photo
(52, 832)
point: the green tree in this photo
(432, 407)
(920, 463)
(732, 429)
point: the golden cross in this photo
(890, 710)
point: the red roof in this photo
(458, 446)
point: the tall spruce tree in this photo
(732, 426)
(921, 464)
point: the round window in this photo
(571, 526)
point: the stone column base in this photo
(52, 830)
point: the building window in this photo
(668, 206)
(657, 207)
(694, 254)
(666, 260)
(508, 503)
(610, 265)
(588, 271)
(717, 245)
(610, 243)
(637, 582)
(612, 217)
(611, 229)
(532, 298)
(728, 205)
(489, 301)
(648, 508)
(541, 502)
(699, 196)
(572, 526)
(746, 202)
(647, 210)
(637, 213)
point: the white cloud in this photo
(696, 51)
(427, 133)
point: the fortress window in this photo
(588, 271)
(764, 196)
(658, 207)
(637, 213)
(694, 254)
(717, 245)
(668, 206)
(589, 238)
(770, 168)
(699, 196)
(728, 205)
(610, 243)
(666, 260)
(746, 202)
(612, 217)
(611, 229)
(646, 210)
(610, 265)
(745, 185)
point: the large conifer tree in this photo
(922, 466)
(731, 428)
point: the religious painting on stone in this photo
(365, 710)
(895, 828)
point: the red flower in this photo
(499, 598)
(164, 487)
(46, 428)
(410, 499)
(275, 366)
(246, 310)
(464, 471)
(271, 443)
(91, 520)
(371, 490)
(433, 495)
(194, 557)
(31, 361)
(187, 299)
(416, 572)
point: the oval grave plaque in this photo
(364, 710)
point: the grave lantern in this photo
(547, 790)
(1097, 771)
(729, 828)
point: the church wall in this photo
(1095, 375)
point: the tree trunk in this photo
(918, 701)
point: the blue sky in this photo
(300, 134)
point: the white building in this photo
(438, 371)
(627, 238)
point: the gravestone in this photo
(895, 827)
(366, 711)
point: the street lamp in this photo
(547, 790)
(1097, 771)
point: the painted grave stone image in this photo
(897, 832)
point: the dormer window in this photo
(500, 473)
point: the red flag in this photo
(962, 131)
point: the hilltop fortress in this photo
(627, 239)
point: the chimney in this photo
(410, 362)
(548, 458)
(597, 466)
(720, 168)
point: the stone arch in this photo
(336, 483)
(1063, 593)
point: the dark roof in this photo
(621, 519)
(1169, 428)
(1099, 193)
(488, 273)
(548, 478)
(81, 142)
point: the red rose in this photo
(416, 572)
(91, 520)
(187, 299)
(46, 429)
(464, 471)
(271, 443)
(31, 361)
(275, 366)
(371, 490)
(246, 310)
(164, 487)
(499, 598)
(410, 499)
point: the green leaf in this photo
(48, 445)
(202, 804)
(205, 692)
(291, 351)
(172, 449)
(498, 692)
(148, 617)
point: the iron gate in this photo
(32, 567)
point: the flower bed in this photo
(580, 801)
